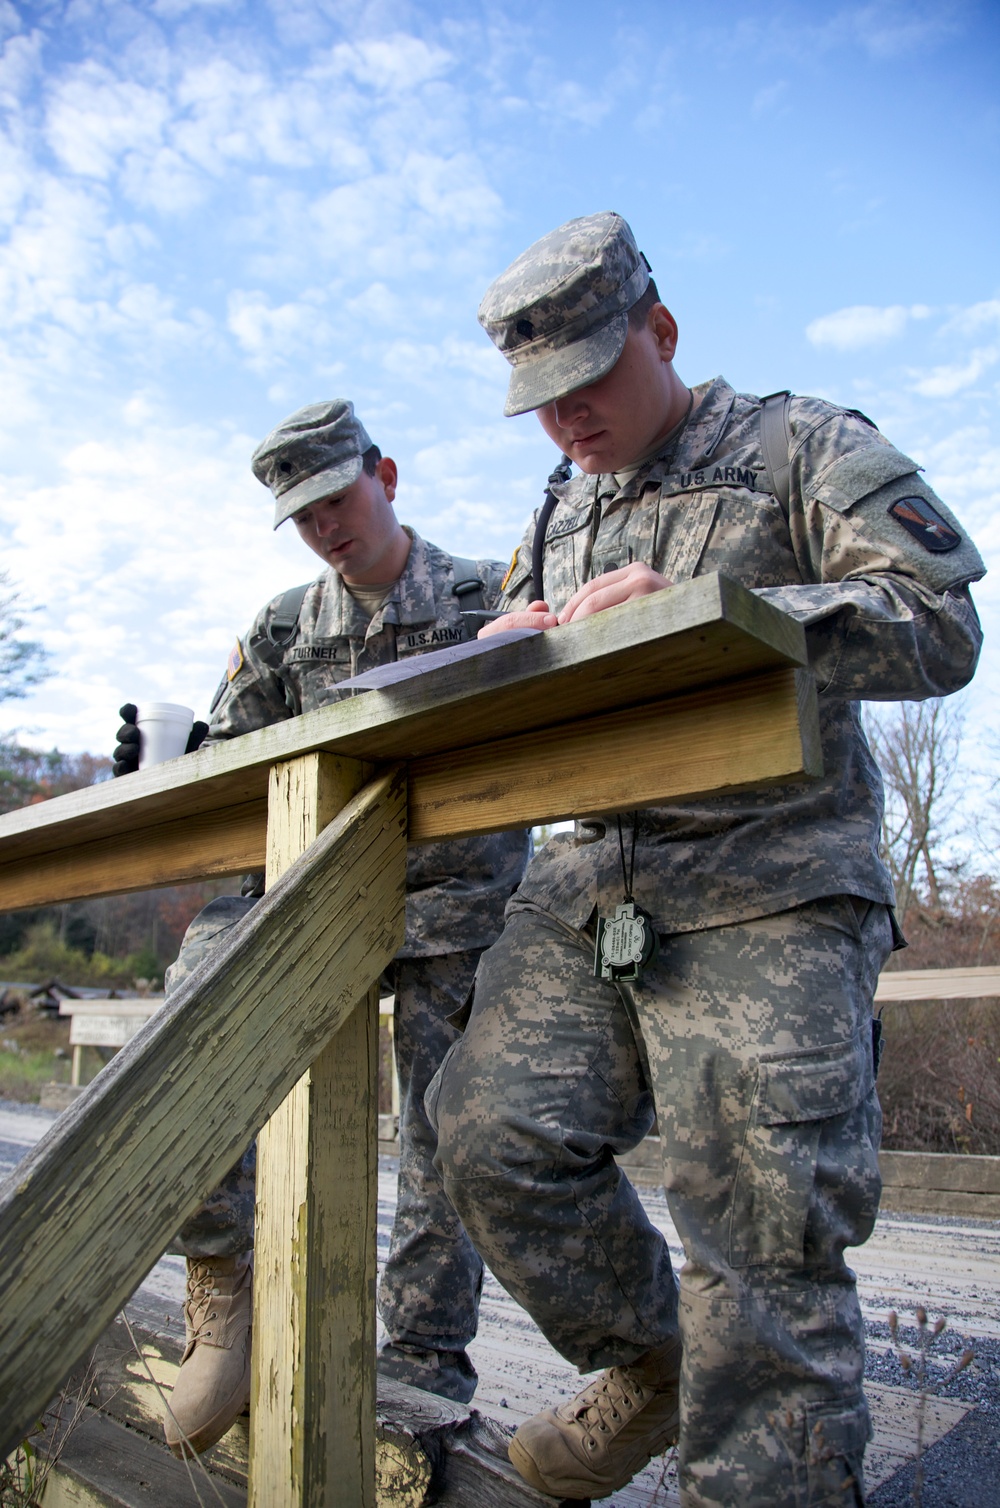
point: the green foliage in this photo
(23, 1075)
(44, 955)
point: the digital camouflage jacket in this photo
(866, 557)
(456, 892)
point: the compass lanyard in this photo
(626, 943)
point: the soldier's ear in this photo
(388, 475)
(663, 327)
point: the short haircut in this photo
(370, 460)
(639, 312)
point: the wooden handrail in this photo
(693, 647)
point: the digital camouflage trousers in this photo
(756, 1041)
(429, 1293)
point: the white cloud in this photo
(272, 333)
(95, 119)
(946, 381)
(973, 319)
(413, 361)
(150, 551)
(389, 64)
(19, 64)
(863, 325)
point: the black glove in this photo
(126, 755)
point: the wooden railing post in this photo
(313, 1411)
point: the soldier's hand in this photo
(535, 615)
(636, 580)
(196, 737)
(126, 755)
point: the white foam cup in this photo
(163, 731)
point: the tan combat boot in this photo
(596, 1442)
(213, 1384)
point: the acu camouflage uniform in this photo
(456, 894)
(755, 1025)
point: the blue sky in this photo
(214, 212)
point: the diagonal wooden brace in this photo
(91, 1208)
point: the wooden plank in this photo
(101, 1464)
(725, 738)
(940, 1202)
(924, 1182)
(228, 841)
(699, 633)
(143, 1144)
(938, 984)
(312, 1434)
(941, 1170)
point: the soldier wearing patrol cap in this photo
(384, 594)
(764, 918)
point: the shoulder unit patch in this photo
(921, 519)
(235, 662)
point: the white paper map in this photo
(414, 665)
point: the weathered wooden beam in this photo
(93, 1205)
(973, 983)
(952, 1172)
(312, 1437)
(433, 1451)
(722, 739)
(700, 633)
(228, 841)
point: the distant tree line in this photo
(940, 1076)
(110, 941)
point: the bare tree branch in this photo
(917, 746)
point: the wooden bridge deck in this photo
(948, 1264)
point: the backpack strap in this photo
(468, 587)
(562, 473)
(285, 618)
(776, 443)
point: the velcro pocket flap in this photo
(854, 476)
(814, 1086)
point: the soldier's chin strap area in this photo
(561, 474)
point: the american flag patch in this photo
(235, 662)
(510, 569)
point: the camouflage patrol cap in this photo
(313, 454)
(560, 312)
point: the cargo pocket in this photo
(825, 1448)
(796, 1095)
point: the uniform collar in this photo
(411, 599)
(413, 595)
(713, 402)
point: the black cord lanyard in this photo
(628, 878)
(626, 943)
